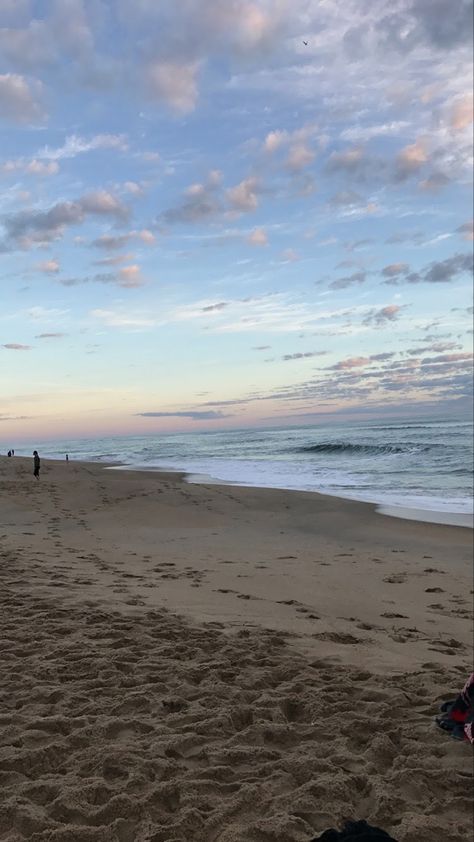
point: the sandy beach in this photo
(221, 664)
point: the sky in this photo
(233, 213)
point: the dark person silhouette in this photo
(36, 464)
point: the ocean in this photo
(422, 465)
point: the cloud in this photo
(205, 415)
(442, 23)
(462, 113)
(116, 260)
(258, 237)
(444, 271)
(390, 313)
(212, 308)
(447, 358)
(50, 335)
(395, 269)
(31, 227)
(435, 182)
(174, 83)
(145, 236)
(113, 242)
(365, 133)
(411, 25)
(275, 140)
(411, 159)
(32, 167)
(28, 48)
(112, 318)
(297, 145)
(129, 277)
(75, 145)
(110, 242)
(299, 156)
(290, 256)
(438, 271)
(346, 197)
(302, 355)
(103, 203)
(347, 161)
(133, 188)
(349, 280)
(49, 267)
(200, 202)
(466, 230)
(21, 100)
(244, 196)
(351, 362)
(15, 346)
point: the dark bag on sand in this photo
(355, 832)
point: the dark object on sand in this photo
(36, 464)
(355, 832)
(457, 715)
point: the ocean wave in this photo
(347, 447)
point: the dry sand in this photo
(217, 664)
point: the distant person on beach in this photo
(67, 458)
(9, 453)
(13, 452)
(36, 464)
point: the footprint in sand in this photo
(396, 578)
(334, 637)
(434, 590)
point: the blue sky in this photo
(207, 223)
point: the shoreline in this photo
(445, 517)
(462, 520)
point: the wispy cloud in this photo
(194, 415)
(75, 145)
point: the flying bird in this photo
(305, 43)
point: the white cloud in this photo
(49, 267)
(133, 188)
(300, 156)
(275, 140)
(118, 318)
(462, 113)
(174, 83)
(145, 236)
(130, 277)
(21, 99)
(365, 133)
(32, 167)
(258, 237)
(102, 202)
(243, 197)
(75, 145)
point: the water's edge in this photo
(442, 518)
